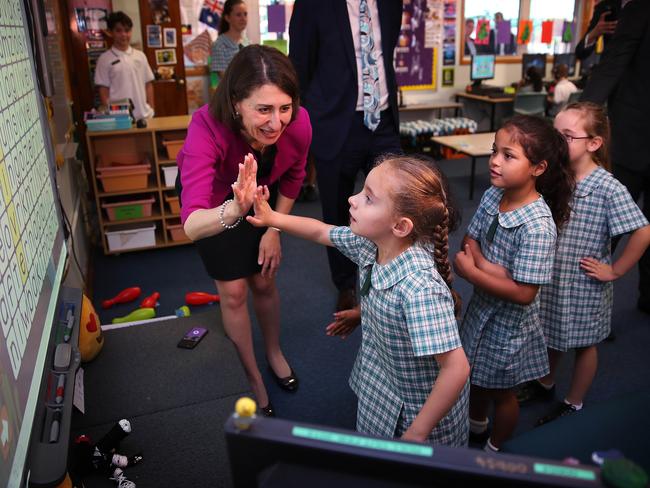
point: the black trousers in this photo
(638, 183)
(336, 180)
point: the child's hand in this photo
(246, 185)
(412, 436)
(464, 262)
(345, 321)
(263, 211)
(597, 270)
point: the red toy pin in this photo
(125, 296)
(200, 298)
(151, 301)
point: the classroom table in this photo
(492, 102)
(473, 145)
(431, 106)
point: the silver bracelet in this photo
(223, 209)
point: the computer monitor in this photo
(482, 68)
(279, 453)
(569, 59)
(538, 61)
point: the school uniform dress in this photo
(222, 52)
(407, 316)
(125, 74)
(503, 341)
(576, 310)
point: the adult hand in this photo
(345, 322)
(245, 188)
(597, 270)
(270, 253)
(602, 27)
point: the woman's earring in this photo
(236, 115)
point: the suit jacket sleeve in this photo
(619, 53)
(303, 44)
(583, 52)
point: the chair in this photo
(530, 104)
(575, 96)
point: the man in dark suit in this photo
(621, 79)
(602, 23)
(500, 49)
(326, 51)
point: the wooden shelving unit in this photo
(147, 143)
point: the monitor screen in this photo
(482, 67)
(538, 61)
(569, 59)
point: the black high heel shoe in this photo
(268, 411)
(289, 383)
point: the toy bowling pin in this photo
(125, 296)
(200, 298)
(151, 301)
(139, 314)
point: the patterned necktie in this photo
(370, 71)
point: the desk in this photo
(439, 106)
(474, 145)
(493, 102)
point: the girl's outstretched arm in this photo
(634, 249)
(304, 227)
(454, 371)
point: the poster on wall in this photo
(447, 76)
(449, 33)
(415, 55)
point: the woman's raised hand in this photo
(263, 210)
(245, 187)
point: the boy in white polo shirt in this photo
(124, 72)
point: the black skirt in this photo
(233, 253)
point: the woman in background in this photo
(231, 36)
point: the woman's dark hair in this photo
(119, 17)
(596, 125)
(251, 68)
(534, 76)
(224, 26)
(541, 142)
(423, 196)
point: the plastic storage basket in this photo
(126, 237)
(132, 209)
(174, 204)
(170, 173)
(123, 178)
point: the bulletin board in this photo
(416, 54)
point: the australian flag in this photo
(211, 12)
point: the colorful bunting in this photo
(483, 32)
(547, 31)
(525, 33)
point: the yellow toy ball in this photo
(245, 407)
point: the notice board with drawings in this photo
(32, 251)
(418, 44)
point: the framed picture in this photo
(165, 56)
(154, 37)
(170, 36)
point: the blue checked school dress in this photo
(576, 310)
(503, 340)
(407, 316)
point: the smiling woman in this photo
(254, 110)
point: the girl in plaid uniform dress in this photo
(411, 374)
(507, 254)
(576, 307)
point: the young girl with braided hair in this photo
(411, 373)
(507, 255)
